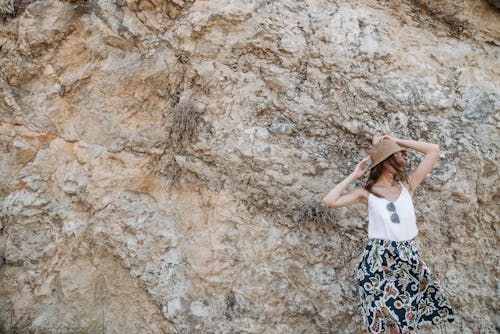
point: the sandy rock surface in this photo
(163, 162)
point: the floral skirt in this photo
(397, 289)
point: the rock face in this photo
(163, 162)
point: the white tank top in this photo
(380, 225)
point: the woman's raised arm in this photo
(431, 152)
(336, 198)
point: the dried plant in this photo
(315, 213)
(173, 176)
(182, 123)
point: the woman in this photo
(398, 293)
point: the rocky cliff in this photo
(163, 162)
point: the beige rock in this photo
(113, 221)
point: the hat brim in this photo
(384, 151)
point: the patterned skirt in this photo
(398, 290)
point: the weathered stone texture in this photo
(163, 162)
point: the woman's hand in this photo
(359, 170)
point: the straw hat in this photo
(382, 150)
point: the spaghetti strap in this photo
(402, 185)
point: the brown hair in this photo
(375, 172)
